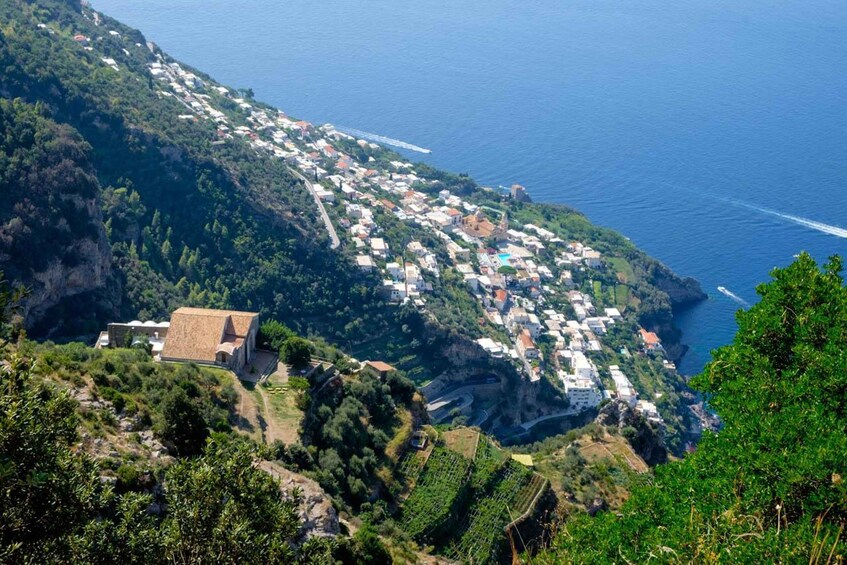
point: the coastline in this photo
(555, 302)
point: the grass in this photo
(598, 289)
(622, 268)
(395, 446)
(615, 447)
(283, 409)
(621, 297)
(462, 441)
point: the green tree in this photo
(223, 509)
(182, 423)
(297, 352)
(272, 334)
(46, 491)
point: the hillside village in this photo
(497, 259)
(500, 261)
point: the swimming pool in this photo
(504, 258)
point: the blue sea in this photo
(713, 134)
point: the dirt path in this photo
(271, 430)
(248, 420)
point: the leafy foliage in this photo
(220, 504)
(182, 423)
(296, 351)
(347, 428)
(45, 490)
(769, 486)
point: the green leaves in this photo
(767, 487)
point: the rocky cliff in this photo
(314, 505)
(645, 440)
(52, 235)
(88, 271)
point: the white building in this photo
(582, 393)
(649, 411)
(626, 391)
(379, 247)
(365, 263)
(395, 271)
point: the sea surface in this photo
(713, 134)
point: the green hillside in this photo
(768, 488)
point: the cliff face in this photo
(52, 236)
(89, 270)
(646, 442)
(682, 291)
(666, 294)
(318, 516)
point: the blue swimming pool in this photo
(504, 258)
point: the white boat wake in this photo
(384, 140)
(726, 292)
(822, 227)
(830, 229)
(815, 225)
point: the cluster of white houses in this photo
(498, 261)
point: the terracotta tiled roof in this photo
(381, 366)
(650, 338)
(197, 333)
(526, 340)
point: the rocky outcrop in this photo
(682, 291)
(646, 441)
(89, 270)
(315, 507)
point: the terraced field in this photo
(437, 488)
(494, 490)
(482, 533)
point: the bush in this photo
(182, 423)
(128, 477)
(296, 352)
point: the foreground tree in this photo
(223, 509)
(297, 352)
(769, 487)
(46, 491)
(182, 423)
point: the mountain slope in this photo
(211, 225)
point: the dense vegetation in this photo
(349, 423)
(55, 508)
(188, 222)
(769, 486)
(47, 180)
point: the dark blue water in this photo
(674, 122)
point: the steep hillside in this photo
(51, 229)
(189, 221)
(160, 188)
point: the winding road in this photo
(531, 424)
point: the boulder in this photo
(315, 506)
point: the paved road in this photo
(329, 227)
(529, 425)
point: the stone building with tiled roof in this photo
(212, 337)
